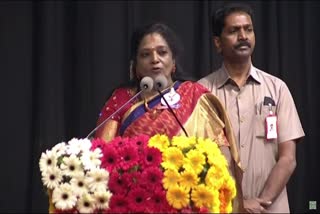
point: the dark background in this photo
(59, 62)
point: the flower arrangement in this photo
(139, 174)
(75, 181)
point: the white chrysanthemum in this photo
(63, 197)
(71, 165)
(51, 177)
(79, 185)
(85, 144)
(86, 203)
(60, 148)
(74, 146)
(91, 159)
(97, 179)
(48, 159)
(77, 174)
(102, 198)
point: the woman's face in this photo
(154, 57)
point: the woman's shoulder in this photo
(192, 85)
(123, 92)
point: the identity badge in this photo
(172, 99)
(271, 125)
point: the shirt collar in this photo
(223, 77)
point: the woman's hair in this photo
(168, 35)
(160, 28)
(219, 16)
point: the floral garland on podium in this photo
(138, 174)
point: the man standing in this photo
(260, 107)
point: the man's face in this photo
(237, 40)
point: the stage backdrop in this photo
(60, 61)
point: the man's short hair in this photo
(219, 16)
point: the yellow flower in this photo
(217, 160)
(203, 196)
(194, 160)
(189, 179)
(160, 142)
(214, 177)
(183, 142)
(171, 178)
(178, 197)
(207, 146)
(172, 158)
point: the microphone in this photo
(161, 83)
(146, 84)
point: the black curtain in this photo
(60, 60)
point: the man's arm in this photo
(277, 179)
(281, 172)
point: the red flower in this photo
(152, 177)
(152, 156)
(118, 184)
(158, 202)
(134, 178)
(118, 204)
(119, 142)
(137, 199)
(141, 141)
(110, 158)
(128, 157)
(98, 143)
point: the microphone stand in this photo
(103, 122)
